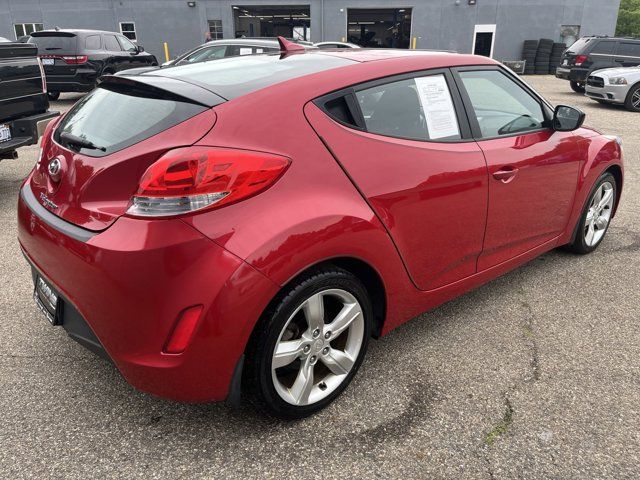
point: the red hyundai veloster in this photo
(244, 226)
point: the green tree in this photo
(629, 19)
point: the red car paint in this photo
(429, 218)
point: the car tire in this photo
(53, 95)
(577, 86)
(311, 378)
(596, 216)
(632, 102)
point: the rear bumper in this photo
(84, 80)
(25, 131)
(129, 284)
(572, 74)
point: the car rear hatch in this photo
(576, 51)
(21, 86)
(58, 52)
(131, 123)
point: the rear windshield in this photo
(578, 45)
(55, 44)
(237, 76)
(117, 116)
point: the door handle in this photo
(505, 175)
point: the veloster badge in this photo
(47, 203)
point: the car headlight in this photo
(617, 81)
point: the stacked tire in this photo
(556, 57)
(529, 51)
(543, 56)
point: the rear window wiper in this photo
(71, 139)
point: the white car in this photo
(615, 85)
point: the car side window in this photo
(111, 44)
(210, 53)
(236, 50)
(604, 47)
(92, 42)
(418, 108)
(629, 49)
(501, 106)
(126, 44)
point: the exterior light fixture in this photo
(191, 4)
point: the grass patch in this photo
(501, 427)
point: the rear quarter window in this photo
(110, 117)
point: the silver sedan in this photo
(615, 85)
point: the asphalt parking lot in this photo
(535, 375)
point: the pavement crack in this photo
(532, 375)
(529, 332)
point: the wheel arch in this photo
(361, 269)
(616, 171)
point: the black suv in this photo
(74, 60)
(595, 53)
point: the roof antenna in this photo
(288, 46)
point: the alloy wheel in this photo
(635, 99)
(317, 347)
(599, 214)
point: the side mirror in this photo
(567, 119)
(140, 49)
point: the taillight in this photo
(580, 59)
(192, 178)
(75, 59)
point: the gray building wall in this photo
(439, 24)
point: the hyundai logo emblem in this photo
(54, 169)
(54, 166)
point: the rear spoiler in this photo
(163, 87)
(52, 33)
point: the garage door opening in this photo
(379, 27)
(290, 21)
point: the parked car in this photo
(616, 86)
(24, 107)
(218, 49)
(76, 60)
(589, 54)
(336, 45)
(244, 226)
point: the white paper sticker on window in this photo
(438, 107)
(245, 51)
(259, 50)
